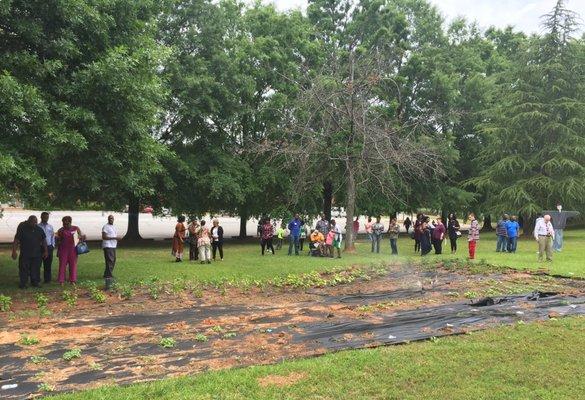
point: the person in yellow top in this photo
(317, 241)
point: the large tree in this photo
(82, 95)
(535, 155)
(231, 68)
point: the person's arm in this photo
(15, 245)
(535, 234)
(81, 235)
(45, 248)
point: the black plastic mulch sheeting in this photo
(329, 332)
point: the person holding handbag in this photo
(67, 239)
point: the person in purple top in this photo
(438, 235)
(294, 227)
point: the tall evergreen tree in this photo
(536, 130)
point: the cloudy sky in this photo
(523, 14)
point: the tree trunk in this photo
(327, 199)
(243, 223)
(133, 233)
(349, 211)
(487, 223)
(528, 222)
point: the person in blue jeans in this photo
(294, 227)
(513, 229)
(502, 234)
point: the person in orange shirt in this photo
(317, 241)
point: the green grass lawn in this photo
(532, 361)
(243, 261)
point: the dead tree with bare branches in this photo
(343, 126)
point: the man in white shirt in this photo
(544, 234)
(50, 238)
(109, 245)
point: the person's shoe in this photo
(177, 260)
(208, 262)
(36, 285)
(202, 262)
(108, 285)
(22, 286)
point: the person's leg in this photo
(393, 246)
(73, 266)
(416, 245)
(548, 249)
(541, 247)
(110, 260)
(378, 240)
(291, 242)
(559, 239)
(301, 242)
(440, 246)
(262, 245)
(62, 266)
(371, 236)
(270, 246)
(192, 250)
(296, 239)
(47, 264)
(220, 248)
(498, 243)
(213, 249)
(35, 271)
(472, 249)
(201, 250)
(208, 253)
(23, 271)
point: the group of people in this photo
(204, 242)
(37, 242)
(324, 240)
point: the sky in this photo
(523, 14)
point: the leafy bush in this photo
(5, 303)
(38, 359)
(167, 343)
(71, 354)
(201, 337)
(29, 340)
(70, 298)
(42, 300)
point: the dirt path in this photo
(123, 343)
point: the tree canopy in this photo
(226, 106)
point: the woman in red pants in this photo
(67, 238)
(473, 237)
